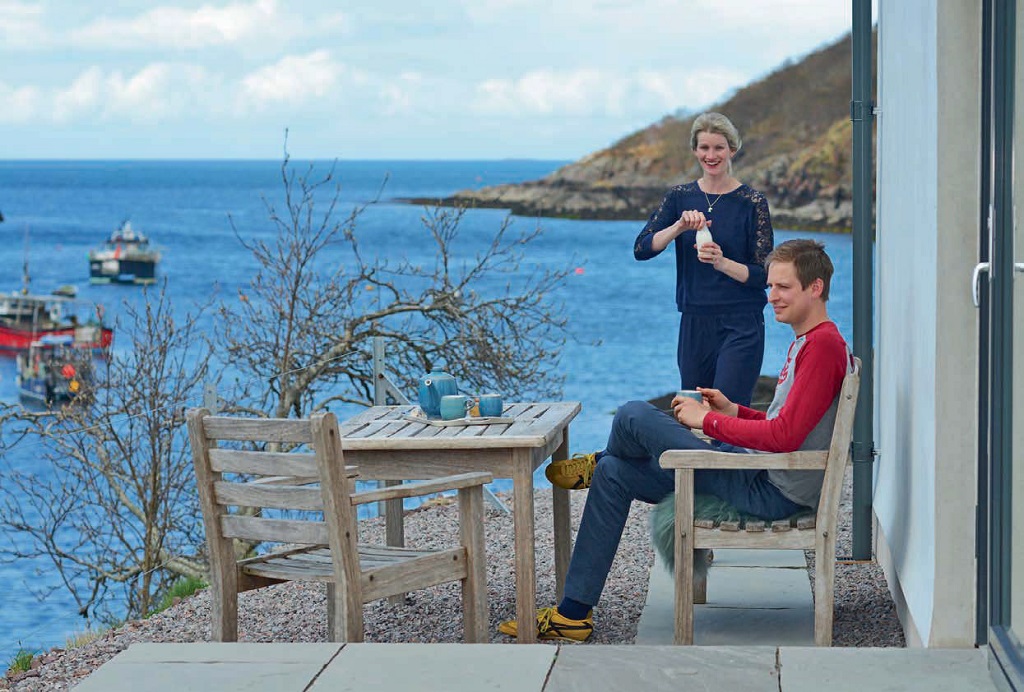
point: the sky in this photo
(378, 79)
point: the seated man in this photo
(801, 417)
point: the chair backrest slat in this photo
(275, 496)
(274, 530)
(302, 464)
(256, 429)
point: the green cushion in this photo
(663, 517)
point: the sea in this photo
(620, 313)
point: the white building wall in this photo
(926, 365)
(907, 218)
(959, 184)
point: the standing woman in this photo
(720, 286)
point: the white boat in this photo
(125, 258)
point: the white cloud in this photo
(159, 91)
(21, 25)
(156, 92)
(593, 92)
(21, 104)
(400, 95)
(181, 28)
(713, 18)
(85, 95)
(293, 79)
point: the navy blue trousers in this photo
(629, 470)
(721, 351)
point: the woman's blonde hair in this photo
(717, 124)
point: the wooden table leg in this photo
(560, 516)
(522, 518)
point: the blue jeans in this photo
(629, 470)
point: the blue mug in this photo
(691, 394)
(491, 405)
(455, 406)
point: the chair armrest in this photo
(705, 459)
(436, 485)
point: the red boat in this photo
(25, 318)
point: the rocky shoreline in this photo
(586, 202)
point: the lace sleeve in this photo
(760, 243)
(764, 236)
(664, 217)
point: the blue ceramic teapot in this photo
(432, 387)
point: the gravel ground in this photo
(296, 612)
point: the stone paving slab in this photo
(885, 670)
(758, 587)
(225, 667)
(663, 668)
(182, 677)
(229, 652)
(448, 667)
(656, 621)
(743, 557)
(753, 626)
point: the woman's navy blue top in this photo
(740, 223)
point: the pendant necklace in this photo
(711, 205)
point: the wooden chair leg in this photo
(474, 586)
(684, 557)
(344, 615)
(224, 606)
(334, 632)
(824, 590)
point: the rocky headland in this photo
(797, 144)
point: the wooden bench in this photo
(817, 533)
(319, 539)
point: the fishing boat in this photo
(125, 258)
(26, 318)
(53, 371)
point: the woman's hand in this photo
(692, 220)
(718, 402)
(688, 221)
(711, 253)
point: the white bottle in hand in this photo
(703, 236)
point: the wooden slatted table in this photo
(386, 446)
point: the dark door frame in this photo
(995, 500)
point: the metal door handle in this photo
(1018, 267)
(976, 280)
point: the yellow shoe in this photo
(553, 625)
(574, 473)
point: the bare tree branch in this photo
(304, 326)
(115, 513)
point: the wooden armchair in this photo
(818, 534)
(322, 545)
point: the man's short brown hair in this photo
(809, 259)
